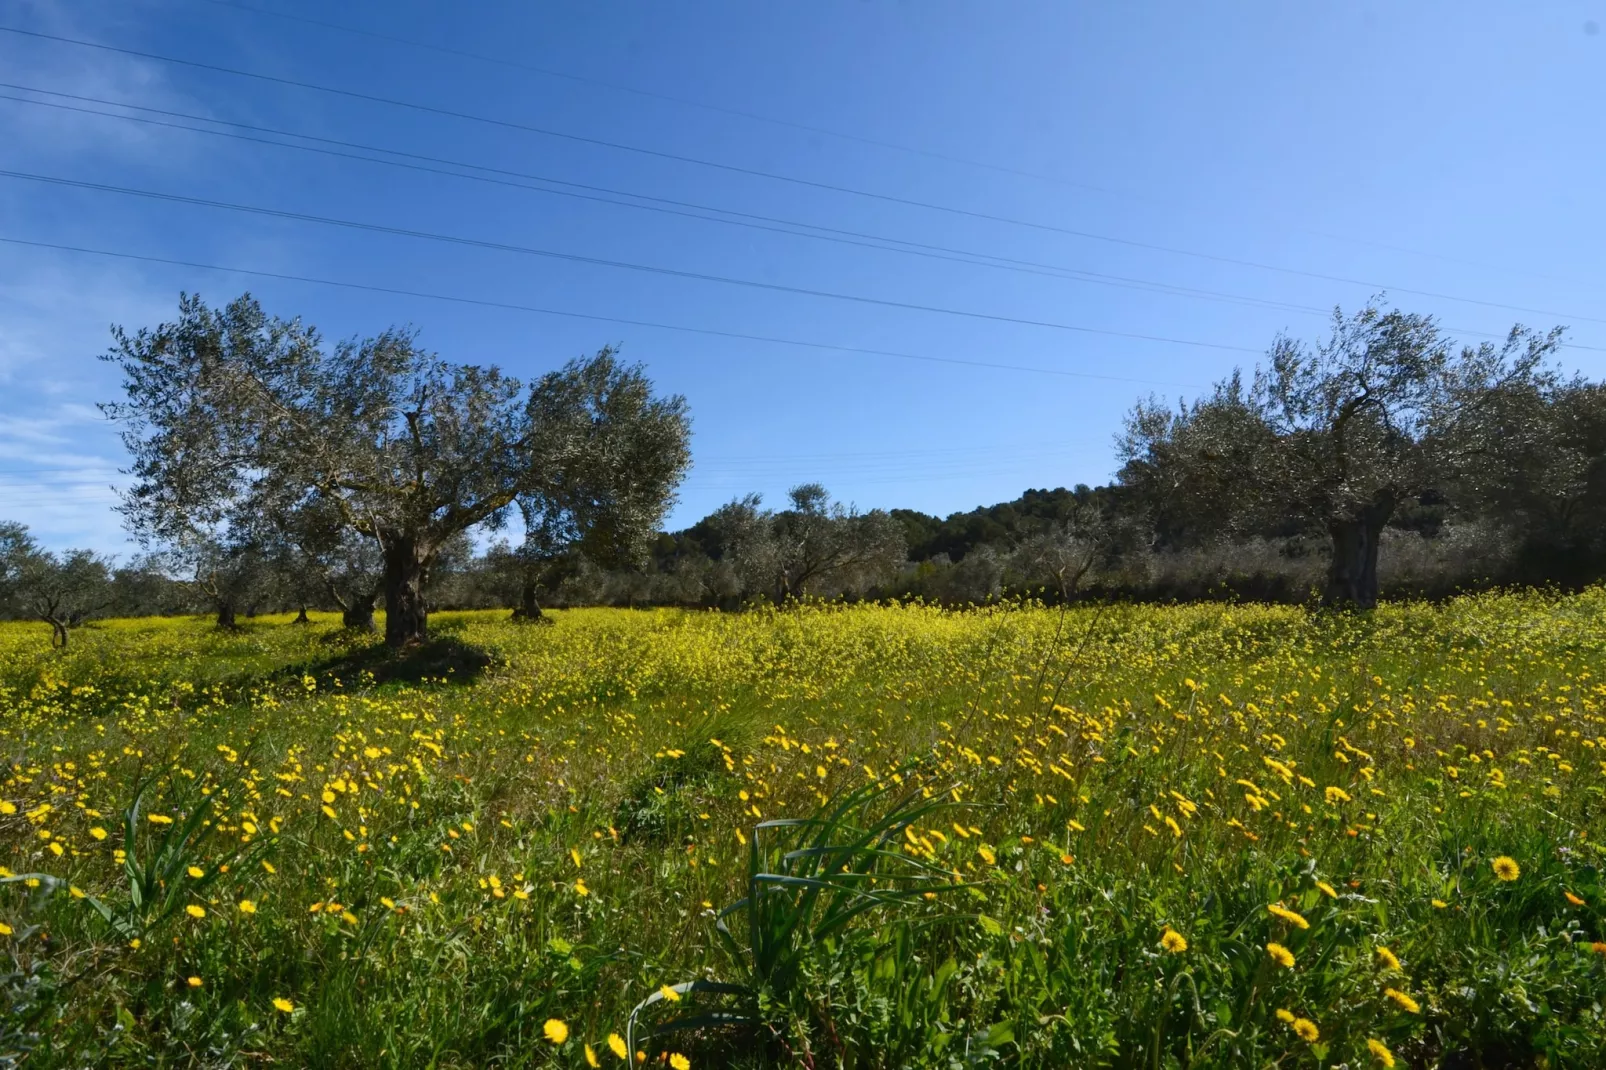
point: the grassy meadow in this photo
(1134, 836)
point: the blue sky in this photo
(1160, 152)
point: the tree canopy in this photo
(1336, 435)
(231, 414)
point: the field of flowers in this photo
(1207, 836)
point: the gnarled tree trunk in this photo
(225, 615)
(358, 617)
(406, 615)
(357, 611)
(1352, 574)
(529, 607)
(301, 617)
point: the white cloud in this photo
(58, 455)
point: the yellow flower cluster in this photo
(603, 783)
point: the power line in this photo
(624, 265)
(580, 79)
(480, 57)
(831, 234)
(742, 219)
(773, 176)
(485, 303)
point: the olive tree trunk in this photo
(1352, 574)
(358, 617)
(226, 615)
(529, 607)
(406, 614)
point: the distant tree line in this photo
(273, 472)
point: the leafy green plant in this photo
(161, 884)
(28, 987)
(807, 880)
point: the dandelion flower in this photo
(1289, 916)
(247, 907)
(1285, 1016)
(1505, 867)
(1173, 941)
(580, 887)
(1327, 889)
(98, 832)
(195, 982)
(616, 1044)
(1306, 1030)
(555, 1031)
(1407, 1004)
(1573, 899)
(1381, 1052)
(679, 1062)
(1388, 957)
(1280, 955)
(987, 855)
(283, 1004)
(5, 930)
(591, 1056)
(1439, 904)
(669, 993)
(196, 872)
(195, 911)
(1598, 947)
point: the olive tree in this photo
(62, 590)
(815, 544)
(610, 456)
(1535, 465)
(230, 570)
(1334, 435)
(230, 412)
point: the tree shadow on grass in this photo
(443, 659)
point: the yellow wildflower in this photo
(1289, 916)
(1407, 1004)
